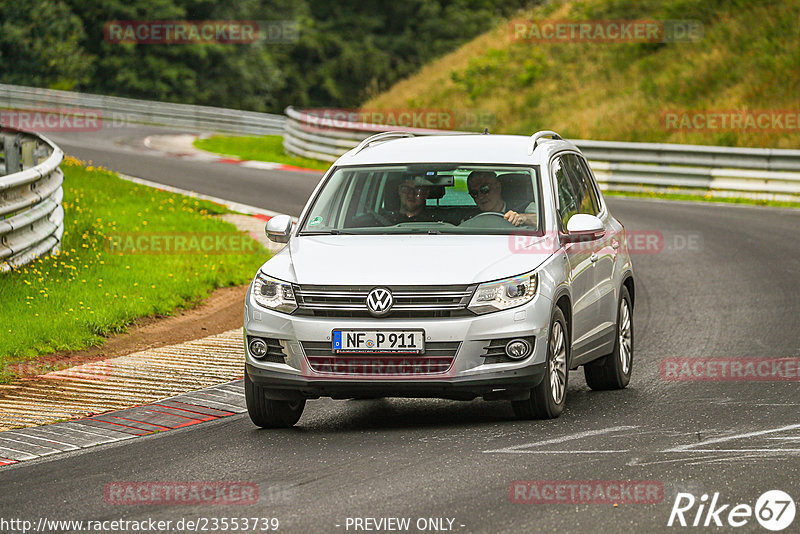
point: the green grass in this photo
(266, 148)
(72, 300)
(747, 59)
(704, 198)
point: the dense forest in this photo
(343, 52)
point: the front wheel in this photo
(270, 413)
(547, 399)
(614, 370)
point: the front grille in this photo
(409, 301)
(438, 358)
(495, 351)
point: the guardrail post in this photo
(11, 148)
(28, 160)
(40, 153)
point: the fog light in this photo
(258, 348)
(517, 349)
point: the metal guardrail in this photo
(117, 110)
(326, 139)
(723, 171)
(31, 216)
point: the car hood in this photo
(405, 259)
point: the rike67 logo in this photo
(774, 510)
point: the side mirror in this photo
(584, 227)
(279, 228)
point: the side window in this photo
(362, 194)
(567, 199)
(592, 185)
(581, 184)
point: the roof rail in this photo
(383, 136)
(539, 135)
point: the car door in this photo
(608, 247)
(599, 329)
(578, 254)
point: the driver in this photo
(412, 203)
(487, 192)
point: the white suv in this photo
(456, 267)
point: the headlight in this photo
(504, 294)
(274, 294)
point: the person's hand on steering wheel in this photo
(518, 219)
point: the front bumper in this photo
(469, 375)
(510, 385)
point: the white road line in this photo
(261, 165)
(777, 451)
(758, 403)
(571, 437)
(690, 447)
(559, 452)
(636, 463)
(231, 392)
(202, 399)
(16, 455)
(236, 206)
(20, 432)
(725, 459)
(51, 450)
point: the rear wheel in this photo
(270, 413)
(614, 371)
(547, 399)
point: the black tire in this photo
(612, 371)
(270, 413)
(543, 403)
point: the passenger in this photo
(487, 192)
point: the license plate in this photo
(386, 341)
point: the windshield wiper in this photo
(333, 231)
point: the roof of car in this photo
(457, 148)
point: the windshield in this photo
(427, 198)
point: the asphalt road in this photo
(122, 149)
(724, 285)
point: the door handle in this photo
(593, 257)
(615, 245)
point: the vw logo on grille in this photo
(379, 301)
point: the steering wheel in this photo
(481, 214)
(474, 222)
(382, 219)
